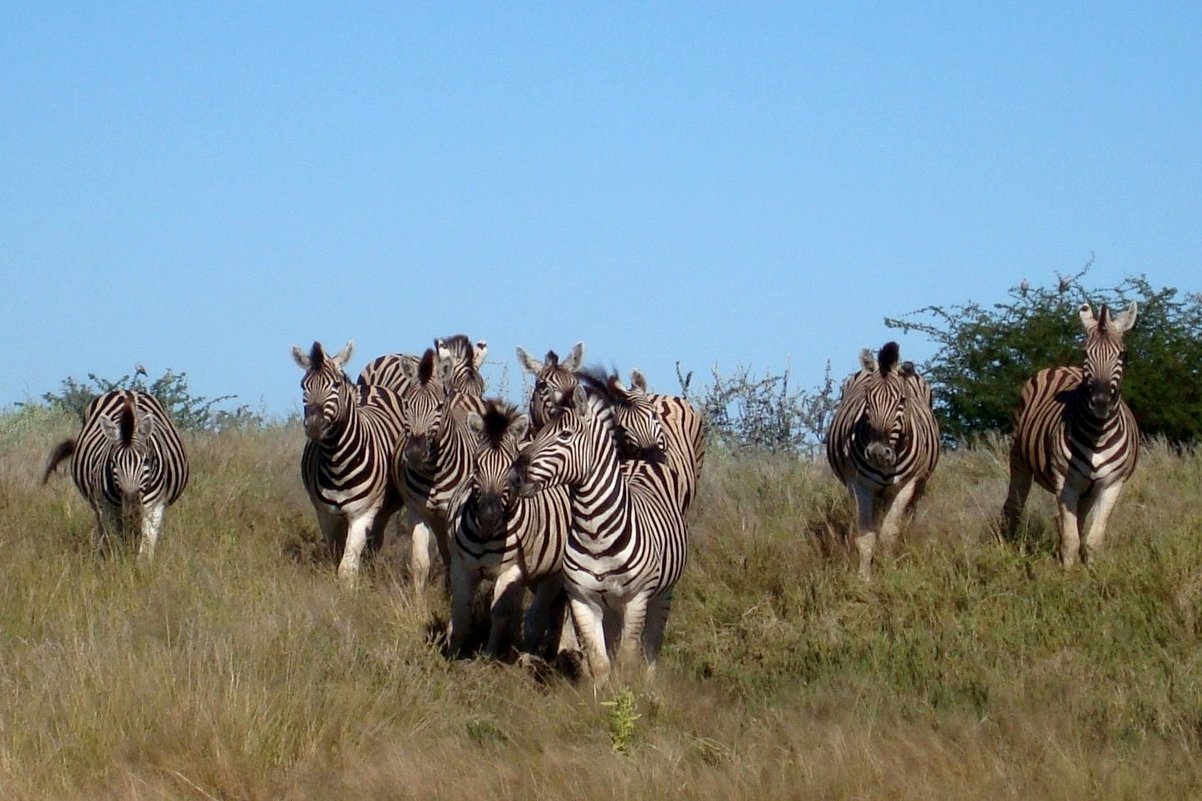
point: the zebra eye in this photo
(564, 435)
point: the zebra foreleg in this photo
(588, 615)
(463, 591)
(356, 540)
(506, 598)
(419, 550)
(1103, 505)
(896, 512)
(152, 524)
(653, 633)
(866, 534)
(1069, 501)
(634, 623)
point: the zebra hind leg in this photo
(1016, 499)
(653, 632)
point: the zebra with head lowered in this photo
(1074, 434)
(497, 534)
(883, 445)
(353, 431)
(628, 540)
(128, 462)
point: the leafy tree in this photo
(986, 353)
(744, 413)
(189, 412)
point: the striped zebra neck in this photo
(601, 503)
(1084, 425)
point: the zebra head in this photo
(465, 359)
(131, 460)
(326, 389)
(636, 424)
(882, 394)
(498, 433)
(423, 411)
(1103, 366)
(566, 451)
(553, 380)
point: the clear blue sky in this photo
(200, 186)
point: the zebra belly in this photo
(608, 576)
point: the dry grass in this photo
(235, 668)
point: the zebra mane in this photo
(498, 416)
(317, 357)
(425, 369)
(126, 425)
(458, 344)
(605, 386)
(887, 359)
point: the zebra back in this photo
(884, 430)
(394, 371)
(684, 437)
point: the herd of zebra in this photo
(584, 497)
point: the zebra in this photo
(353, 431)
(552, 380)
(466, 359)
(435, 457)
(128, 463)
(628, 540)
(883, 445)
(1076, 437)
(684, 437)
(497, 534)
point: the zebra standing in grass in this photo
(436, 455)
(496, 534)
(128, 462)
(628, 539)
(883, 445)
(353, 431)
(1075, 435)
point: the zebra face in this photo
(1102, 368)
(562, 453)
(131, 461)
(423, 419)
(325, 389)
(637, 424)
(498, 432)
(553, 381)
(879, 428)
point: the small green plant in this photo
(623, 714)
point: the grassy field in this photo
(234, 667)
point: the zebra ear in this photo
(519, 427)
(475, 423)
(478, 354)
(638, 380)
(344, 355)
(575, 358)
(529, 363)
(300, 357)
(111, 432)
(145, 427)
(1124, 320)
(580, 402)
(867, 361)
(1088, 321)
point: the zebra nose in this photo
(881, 454)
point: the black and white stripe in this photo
(628, 539)
(128, 462)
(353, 430)
(497, 534)
(883, 445)
(553, 380)
(684, 437)
(1076, 437)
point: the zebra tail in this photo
(61, 451)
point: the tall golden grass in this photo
(235, 667)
